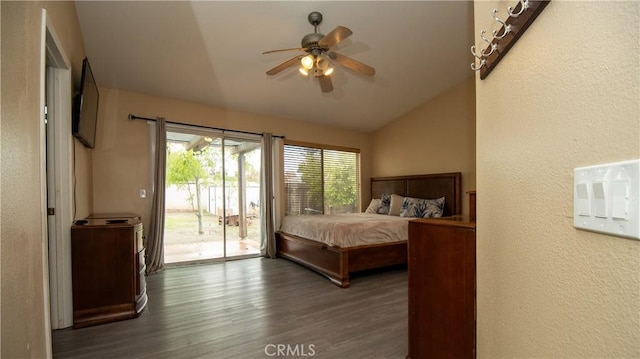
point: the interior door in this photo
(59, 181)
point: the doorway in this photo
(212, 196)
(57, 175)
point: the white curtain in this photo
(269, 194)
(155, 242)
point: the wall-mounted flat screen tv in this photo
(85, 108)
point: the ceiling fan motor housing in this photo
(311, 40)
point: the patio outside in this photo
(183, 241)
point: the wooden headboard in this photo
(428, 186)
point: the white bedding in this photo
(348, 230)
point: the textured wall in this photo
(23, 333)
(437, 136)
(23, 247)
(566, 95)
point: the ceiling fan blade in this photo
(291, 62)
(352, 64)
(335, 36)
(325, 83)
(281, 50)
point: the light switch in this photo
(143, 193)
(619, 199)
(607, 198)
(584, 204)
(600, 199)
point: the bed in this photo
(337, 262)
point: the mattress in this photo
(348, 230)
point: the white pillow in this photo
(373, 206)
(396, 205)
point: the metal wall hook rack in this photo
(520, 18)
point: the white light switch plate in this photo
(612, 203)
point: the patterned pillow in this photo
(385, 203)
(373, 206)
(422, 208)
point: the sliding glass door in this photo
(240, 193)
(212, 196)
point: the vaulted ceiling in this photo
(210, 52)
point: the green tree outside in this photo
(340, 180)
(183, 168)
(332, 187)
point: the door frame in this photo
(56, 91)
(203, 130)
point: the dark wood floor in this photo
(246, 308)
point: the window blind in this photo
(320, 180)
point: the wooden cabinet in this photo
(108, 268)
(442, 267)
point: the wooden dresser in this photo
(108, 268)
(442, 268)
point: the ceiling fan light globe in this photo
(322, 64)
(329, 71)
(303, 71)
(307, 62)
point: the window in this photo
(321, 180)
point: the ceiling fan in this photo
(317, 61)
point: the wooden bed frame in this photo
(336, 263)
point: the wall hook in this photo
(477, 68)
(473, 52)
(507, 28)
(524, 5)
(493, 46)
